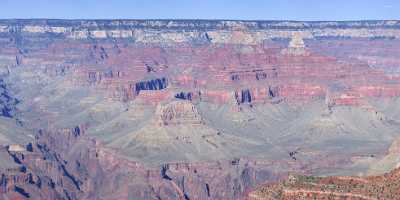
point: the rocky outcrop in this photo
(178, 112)
(296, 46)
(299, 187)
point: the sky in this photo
(302, 10)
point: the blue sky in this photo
(202, 9)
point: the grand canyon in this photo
(199, 109)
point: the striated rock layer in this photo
(192, 109)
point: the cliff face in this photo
(191, 109)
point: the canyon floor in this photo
(197, 109)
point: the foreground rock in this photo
(385, 186)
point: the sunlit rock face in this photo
(192, 109)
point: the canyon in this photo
(197, 109)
